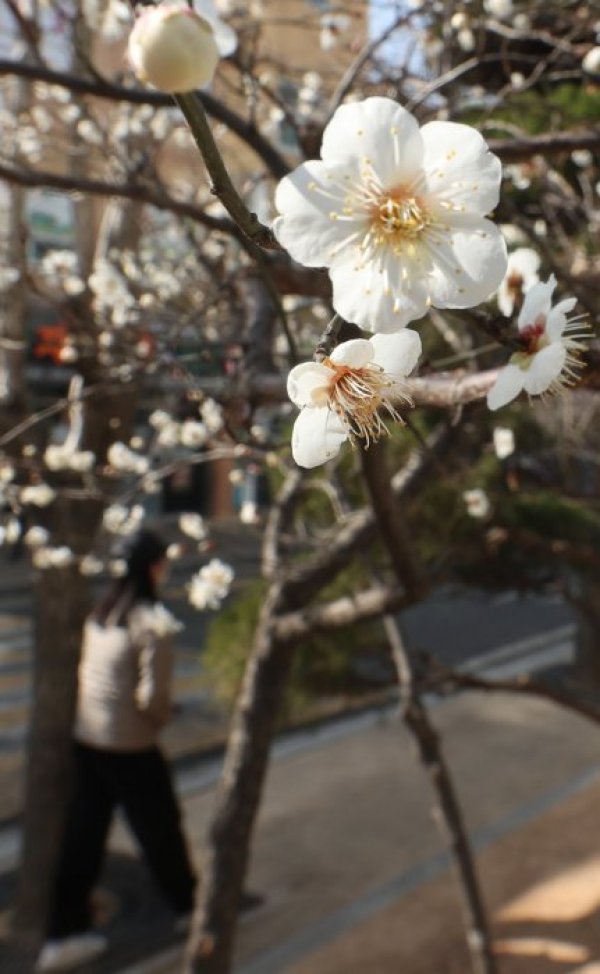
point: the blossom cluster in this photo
(210, 585)
(398, 214)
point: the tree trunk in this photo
(224, 867)
(61, 603)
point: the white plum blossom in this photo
(118, 519)
(397, 214)
(59, 557)
(7, 472)
(12, 530)
(193, 434)
(117, 567)
(548, 359)
(111, 292)
(66, 457)
(504, 442)
(502, 9)
(208, 587)
(90, 565)
(591, 61)
(60, 268)
(193, 525)
(341, 397)
(521, 274)
(212, 415)
(332, 27)
(40, 495)
(466, 39)
(168, 434)
(159, 418)
(477, 502)
(124, 460)
(36, 536)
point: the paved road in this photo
(345, 828)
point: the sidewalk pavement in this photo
(355, 874)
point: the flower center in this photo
(532, 339)
(356, 394)
(401, 217)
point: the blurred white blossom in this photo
(193, 525)
(521, 274)
(90, 565)
(193, 434)
(208, 587)
(124, 460)
(40, 495)
(119, 519)
(36, 536)
(477, 502)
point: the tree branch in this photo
(101, 88)
(345, 611)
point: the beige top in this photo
(124, 696)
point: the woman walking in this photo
(124, 700)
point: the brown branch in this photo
(279, 515)
(443, 678)
(100, 88)
(345, 611)
(548, 144)
(222, 186)
(509, 150)
(389, 520)
(132, 191)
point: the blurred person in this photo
(124, 700)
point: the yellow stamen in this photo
(356, 396)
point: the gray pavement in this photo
(345, 827)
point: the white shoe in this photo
(60, 955)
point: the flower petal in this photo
(309, 201)
(521, 273)
(317, 437)
(379, 297)
(398, 352)
(460, 169)
(377, 130)
(306, 379)
(545, 368)
(556, 321)
(469, 259)
(507, 386)
(356, 353)
(537, 302)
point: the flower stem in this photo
(222, 186)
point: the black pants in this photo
(140, 783)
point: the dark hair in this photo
(137, 584)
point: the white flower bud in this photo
(36, 537)
(40, 495)
(591, 61)
(90, 565)
(173, 48)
